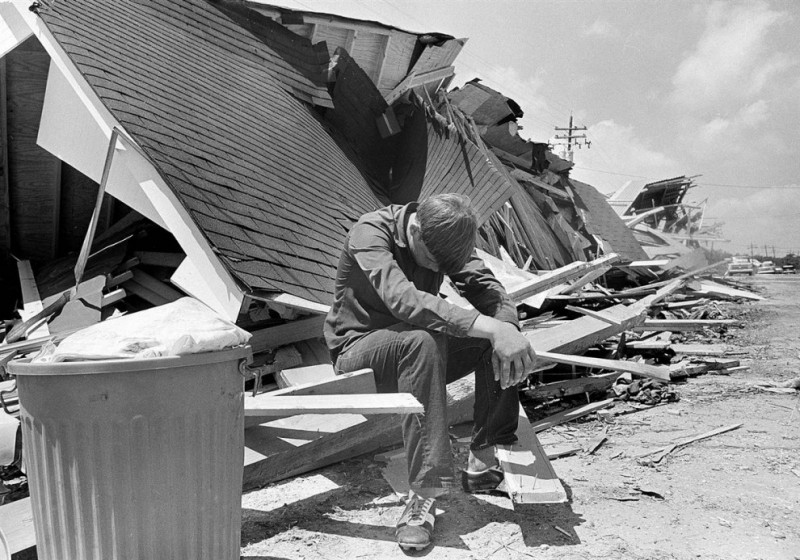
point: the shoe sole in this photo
(414, 546)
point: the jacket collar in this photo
(401, 218)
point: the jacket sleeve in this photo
(484, 291)
(371, 247)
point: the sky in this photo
(704, 89)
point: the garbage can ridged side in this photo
(130, 463)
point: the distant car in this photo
(788, 269)
(766, 267)
(741, 266)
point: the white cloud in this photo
(731, 60)
(764, 216)
(729, 136)
(600, 28)
(617, 148)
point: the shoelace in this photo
(419, 512)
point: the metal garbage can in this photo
(135, 459)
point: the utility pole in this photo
(569, 139)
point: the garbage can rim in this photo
(24, 366)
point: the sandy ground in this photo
(733, 496)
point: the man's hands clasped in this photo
(513, 357)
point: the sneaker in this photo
(481, 482)
(416, 524)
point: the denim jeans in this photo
(412, 360)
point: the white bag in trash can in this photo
(185, 326)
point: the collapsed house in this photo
(252, 137)
(222, 150)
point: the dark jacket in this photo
(378, 284)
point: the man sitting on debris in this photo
(387, 316)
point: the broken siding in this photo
(228, 131)
(601, 220)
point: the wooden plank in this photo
(267, 406)
(687, 441)
(132, 287)
(529, 476)
(31, 301)
(291, 301)
(418, 79)
(154, 258)
(113, 297)
(590, 276)
(303, 375)
(657, 263)
(709, 288)
(361, 381)
(559, 276)
(293, 331)
(705, 349)
(356, 382)
(578, 335)
(291, 446)
(155, 285)
(569, 387)
(570, 415)
(16, 521)
(113, 281)
(269, 458)
(683, 325)
(645, 370)
(596, 314)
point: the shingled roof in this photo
(216, 109)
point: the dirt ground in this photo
(732, 496)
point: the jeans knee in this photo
(420, 341)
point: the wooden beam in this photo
(356, 382)
(384, 48)
(418, 79)
(569, 387)
(529, 476)
(645, 370)
(293, 331)
(290, 377)
(113, 281)
(590, 276)
(558, 276)
(155, 285)
(291, 301)
(113, 297)
(596, 314)
(683, 324)
(31, 301)
(578, 335)
(569, 415)
(267, 406)
(350, 37)
(269, 459)
(704, 349)
(646, 264)
(687, 441)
